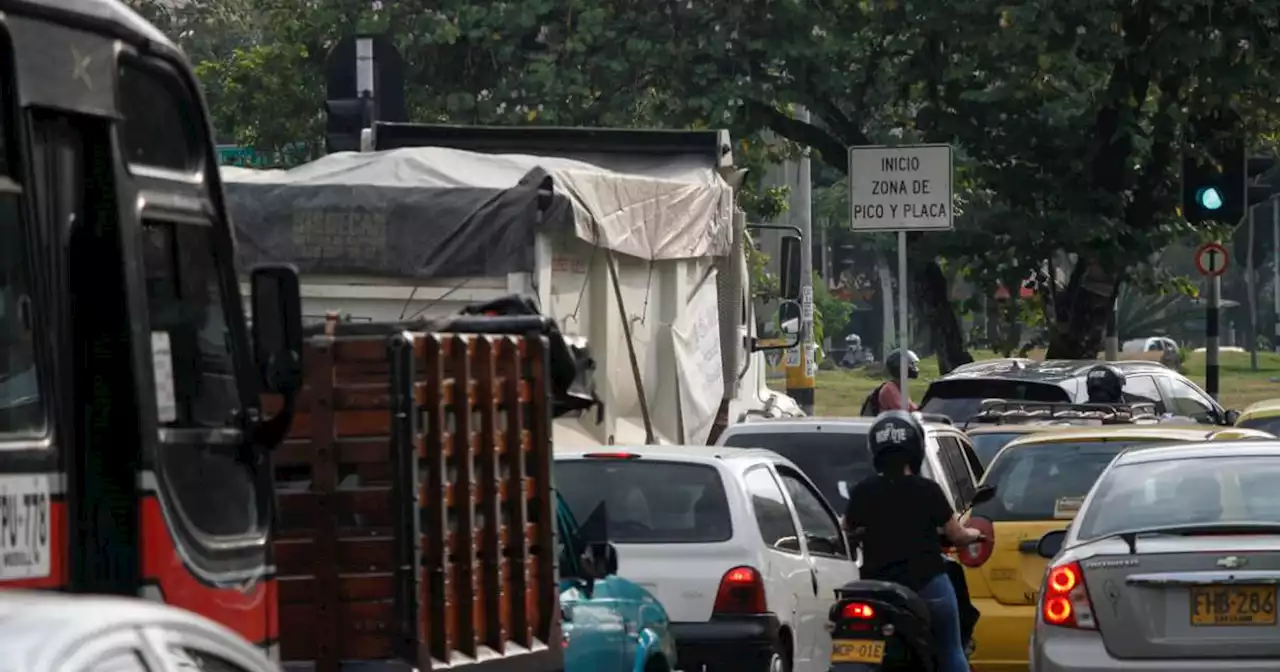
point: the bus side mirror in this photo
(277, 327)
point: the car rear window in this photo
(648, 501)
(987, 445)
(961, 399)
(829, 459)
(1046, 481)
(1175, 492)
(1270, 424)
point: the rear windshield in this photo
(1199, 491)
(1046, 481)
(988, 444)
(648, 502)
(834, 461)
(961, 399)
(1270, 425)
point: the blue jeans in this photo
(940, 595)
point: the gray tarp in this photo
(434, 212)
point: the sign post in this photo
(903, 189)
(1212, 261)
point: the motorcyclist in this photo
(897, 516)
(1105, 384)
(888, 396)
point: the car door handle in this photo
(813, 576)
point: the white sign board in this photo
(905, 188)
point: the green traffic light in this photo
(1209, 198)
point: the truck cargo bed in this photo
(415, 514)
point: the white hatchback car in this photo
(737, 544)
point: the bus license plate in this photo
(24, 527)
(857, 651)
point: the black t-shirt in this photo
(901, 517)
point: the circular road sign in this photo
(1211, 259)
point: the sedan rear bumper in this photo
(1066, 650)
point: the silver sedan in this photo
(1171, 564)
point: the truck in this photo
(629, 238)
(416, 525)
(150, 425)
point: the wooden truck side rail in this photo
(415, 518)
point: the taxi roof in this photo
(1018, 428)
(1122, 432)
(1264, 407)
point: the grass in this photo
(840, 393)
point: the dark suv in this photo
(959, 394)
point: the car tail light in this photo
(858, 611)
(977, 553)
(741, 592)
(1064, 601)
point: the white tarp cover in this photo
(695, 336)
(434, 212)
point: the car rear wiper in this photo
(1130, 537)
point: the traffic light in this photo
(344, 120)
(1220, 187)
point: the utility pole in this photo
(800, 375)
(1275, 273)
(1212, 326)
(1251, 284)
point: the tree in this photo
(1068, 115)
(1071, 116)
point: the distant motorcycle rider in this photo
(1105, 384)
(888, 396)
(897, 516)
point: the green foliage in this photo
(830, 315)
(764, 282)
(1068, 115)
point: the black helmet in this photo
(1105, 384)
(893, 363)
(896, 440)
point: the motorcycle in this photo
(883, 626)
(855, 355)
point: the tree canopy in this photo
(1069, 116)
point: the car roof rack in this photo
(1001, 411)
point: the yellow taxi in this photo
(1263, 415)
(1041, 479)
(987, 440)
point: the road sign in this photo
(904, 188)
(1212, 259)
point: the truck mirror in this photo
(604, 559)
(786, 330)
(790, 271)
(277, 327)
